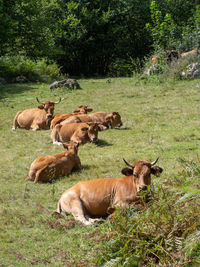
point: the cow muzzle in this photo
(94, 140)
(120, 124)
(49, 116)
(143, 188)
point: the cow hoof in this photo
(13, 128)
(57, 143)
(94, 221)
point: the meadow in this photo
(159, 120)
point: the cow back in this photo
(30, 116)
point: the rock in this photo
(21, 79)
(153, 69)
(193, 71)
(69, 83)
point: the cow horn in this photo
(128, 163)
(39, 101)
(154, 162)
(60, 100)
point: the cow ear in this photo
(77, 145)
(89, 109)
(84, 129)
(41, 106)
(65, 145)
(115, 113)
(76, 111)
(127, 171)
(156, 170)
(108, 117)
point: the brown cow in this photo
(58, 118)
(184, 55)
(171, 55)
(77, 132)
(153, 59)
(44, 169)
(35, 119)
(100, 197)
(111, 119)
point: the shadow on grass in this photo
(102, 143)
(16, 88)
(122, 129)
(85, 167)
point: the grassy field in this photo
(159, 120)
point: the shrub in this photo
(12, 67)
(164, 231)
(177, 69)
(157, 68)
(174, 71)
(121, 67)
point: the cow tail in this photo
(59, 209)
(15, 122)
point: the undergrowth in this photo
(161, 71)
(164, 232)
(14, 66)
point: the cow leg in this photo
(77, 212)
(55, 135)
(35, 127)
(31, 176)
(121, 204)
(15, 122)
(94, 220)
(38, 174)
(57, 143)
(77, 165)
(73, 205)
(27, 178)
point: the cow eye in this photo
(135, 175)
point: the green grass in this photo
(158, 120)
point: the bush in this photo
(157, 68)
(164, 231)
(14, 66)
(123, 67)
(179, 70)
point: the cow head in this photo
(86, 134)
(141, 171)
(93, 132)
(171, 55)
(48, 106)
(153, 59)
(71, 146)
(83, 110)
(114, 119)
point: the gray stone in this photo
(21, 79)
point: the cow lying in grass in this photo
(189, 53)
(45, 169)
(58, 118)
(112, 119)
(77, 132)
(89, 200)
(37, 118)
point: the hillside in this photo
(159, 120)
